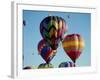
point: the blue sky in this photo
(77, 23)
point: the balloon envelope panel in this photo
(52, 29)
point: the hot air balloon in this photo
(52, 29)
(44, 65)
(73, 45)
(24, 23)
(46, 52)
(67, 64)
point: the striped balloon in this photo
(67, 64)
(73, 45)
(52, 29)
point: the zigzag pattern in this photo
(52, 30)
(45, 30)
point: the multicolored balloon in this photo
(52, 29)
(46, 52)
(67, 64)
(44, 65)
(73, 45)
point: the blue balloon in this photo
(47, 54)
(67, 64)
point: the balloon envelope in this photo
(47, 53)
(67, 64)
(44, 65)
(73, 45)
(24, 23)
(52, 29)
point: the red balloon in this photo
(73, 45)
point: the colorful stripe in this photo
(73, 45)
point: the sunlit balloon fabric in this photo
(73, 45)
(52, 29)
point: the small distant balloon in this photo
(24, 23)
(68, 16)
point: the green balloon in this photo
(44, 66)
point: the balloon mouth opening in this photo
(74, 61)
